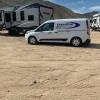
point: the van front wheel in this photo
(32, 40)
(76, 42)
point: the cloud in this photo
(80, 10)
(94, 8)
(81, 2)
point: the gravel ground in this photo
(49, 72)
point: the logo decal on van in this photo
(74, 25)
(68, 25)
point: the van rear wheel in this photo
(32, 40)
(76, 42)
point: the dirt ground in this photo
(49, 72)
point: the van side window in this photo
(0, 16)
(22, 15)
(46, 27)
(14, 16)
(31, 17)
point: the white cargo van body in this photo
(63, 31)
(96, 21)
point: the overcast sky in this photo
(80, 6)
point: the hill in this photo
(90, 14)
(59, 11)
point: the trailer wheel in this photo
(76, 42)
(13, 31)
(32, 40)
(22, 32)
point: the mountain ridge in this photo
(59, 11)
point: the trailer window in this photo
(91, 21)
(8, 17)
(22, 15)
(14, 16)
(46, 27)
(87, 23)
(94, 20)
(0, 16)
(31, 17)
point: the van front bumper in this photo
(26, 37)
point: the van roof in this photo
(60, 20)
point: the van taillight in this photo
(88, 28)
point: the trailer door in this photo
(8, 19)
(45, 14)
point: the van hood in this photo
(29, 32)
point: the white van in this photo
(73, 31)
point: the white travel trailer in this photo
(96, 21)
(73, 31)
(21, 19)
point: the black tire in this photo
(32, 40)
(13, 32)
(16, 32)
(76, 42)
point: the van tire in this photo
(32, 40)
(76, 42)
